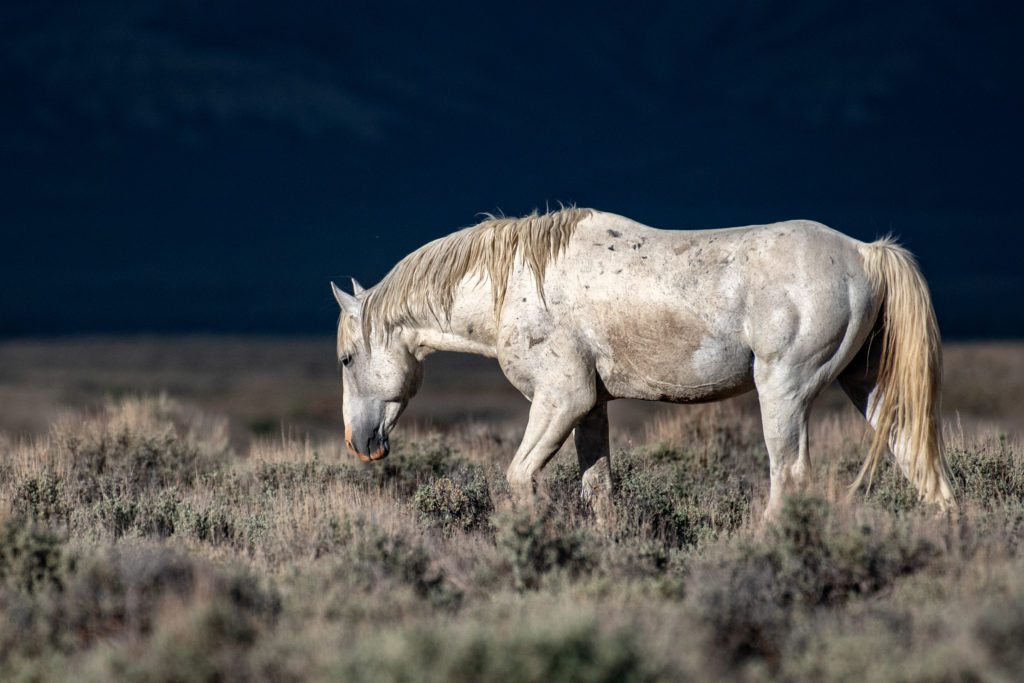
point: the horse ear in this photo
(357, 288)
(349, 304)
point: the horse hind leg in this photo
(859, 381)
(785, 409)
(594, 454)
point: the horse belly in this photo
(679, 365)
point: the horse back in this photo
(680, 315)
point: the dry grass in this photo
(151, 539)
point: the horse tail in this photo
(904, 408)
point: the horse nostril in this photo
(377, 446)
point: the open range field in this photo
(183, 510)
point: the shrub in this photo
(278, 477)
(646, 499)
(41, 498)
(562, 486)
(160, 558)
(534, 544)
(213, 524)
(455, 507)
(375, 555)
(116, 514)
(999, 630)
(677, 505)
(136, 447)
(129, 463)
(331, 535)
(744, 610)
(164, 514)
(747, 598)
(646, 564)
(990, 475)
(85, 598)
(536, 650)
(823, 561)
(414, 464)
(214, 639)
(890, 490)
(121, 590)
(158, 515)
(30, 558)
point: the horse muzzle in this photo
(373, 447)
(378, 454)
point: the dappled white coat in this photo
(600, 307)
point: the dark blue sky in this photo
(179, 167)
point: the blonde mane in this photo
(422, 285)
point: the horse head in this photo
(380, 373)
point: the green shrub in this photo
(116, 514)
(562, 486)
(999, 631)
(990, 475)
(743, 604)
(121, 591)
(278, 477)
(676, 505)
(455, 507)
(375, 555)
(31, 559)
(66, 604)
(41, 498)
(536, 543)
(821, 561)
(152, 556)
(135, 448)
(122, 597)
(215, 639)
(213, 524)
(129, 463)
(681, 497)
(331, 535)
(645, 498)
(534, 651)
(890, 490)
(158, 515)
(646, 564)
(747, 598)
(409, 466)
(415, 464)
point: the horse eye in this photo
(346, 361)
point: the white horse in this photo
(581, 307)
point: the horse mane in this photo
(422, 285)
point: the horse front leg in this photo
(594, 454)
(551, 420)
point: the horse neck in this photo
(471, 327)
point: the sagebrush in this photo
(139, 543)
